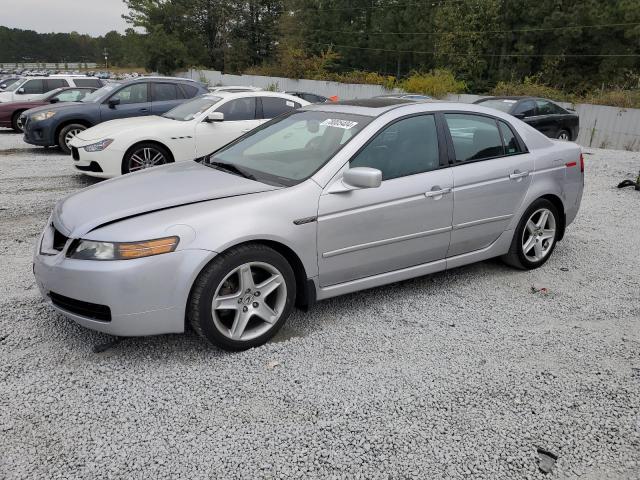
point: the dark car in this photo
(58, 124)
(11, 112)
(542, 114)
(6, 82)
(310, 97)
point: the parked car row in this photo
(29, 88)
(273, 203)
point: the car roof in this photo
(507, 97)
(371, 107)
(142, 79)
(261, 93)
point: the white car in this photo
(33, 88)
(234, 89)
(191, 130)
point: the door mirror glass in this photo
(20, 91)
(363, 177)
(54, 100)
(215, 117)
(113, 102)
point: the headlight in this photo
(92, 250)
(98, 147)
(38, 117)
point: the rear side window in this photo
(403, 148)
(164, 92)
(53, 83)
(511, 144)
(239, 109)
(188, 91)
(87, 82)
(33, 86)
(274, 106)
(474, 137)
(527, 108)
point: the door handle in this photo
(144, 109)
(436, 192)
(518, 174)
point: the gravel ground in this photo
(463, 374)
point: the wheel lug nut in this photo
(257, 294)
(248, 290)
(244, 309)
(239, 300)
(255, 304)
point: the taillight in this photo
(581, 163)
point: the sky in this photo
(95, 17)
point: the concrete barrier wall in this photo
(600, 126)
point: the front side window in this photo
(239, 109)
(34, 86)
(548, 108)
(474, 137)
(406, 147)
(136, 93)
(101, 93)
(273, 106)
(291, 148)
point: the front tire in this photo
(16, 124)
(67, 134)
(535, 237)
(144, 155)
(243, 297)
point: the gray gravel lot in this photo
(463, 374)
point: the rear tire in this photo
(67, 134)
(16, 124)
(564, 135)
(242, 298)
(535, 236)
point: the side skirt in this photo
(497, 248)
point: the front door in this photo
(239, 118)
(404, 222)
(134, 102)
(491, 176)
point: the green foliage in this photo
(436, 83)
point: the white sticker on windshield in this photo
(290, 104)
(337, 123)
(509, 101)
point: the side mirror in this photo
(20, 91)
(113, 102)
(356, 178)
(215, 117)
(54, 100)
(521, 116)
(3, 86)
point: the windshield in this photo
(504, 105)
(291, 148)
(13, 86)
(99, 94)
(191, 109)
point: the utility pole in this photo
(106, 59)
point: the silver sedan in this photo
(322, 201)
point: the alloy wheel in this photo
(564, 136)
(71, 134)
(19, 123)
(146, 157)
(249, 301)
(539, 235)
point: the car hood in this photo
(147, 191)
(112, 128)
(61, 107)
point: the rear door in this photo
(164, 96)
(404, 222)
(491, 176)
(134, 100)
(271, 107)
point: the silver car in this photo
(326, 200)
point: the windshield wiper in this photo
(228, 167)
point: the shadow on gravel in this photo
(5, 131)
(38, 151)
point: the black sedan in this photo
(542, 114)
